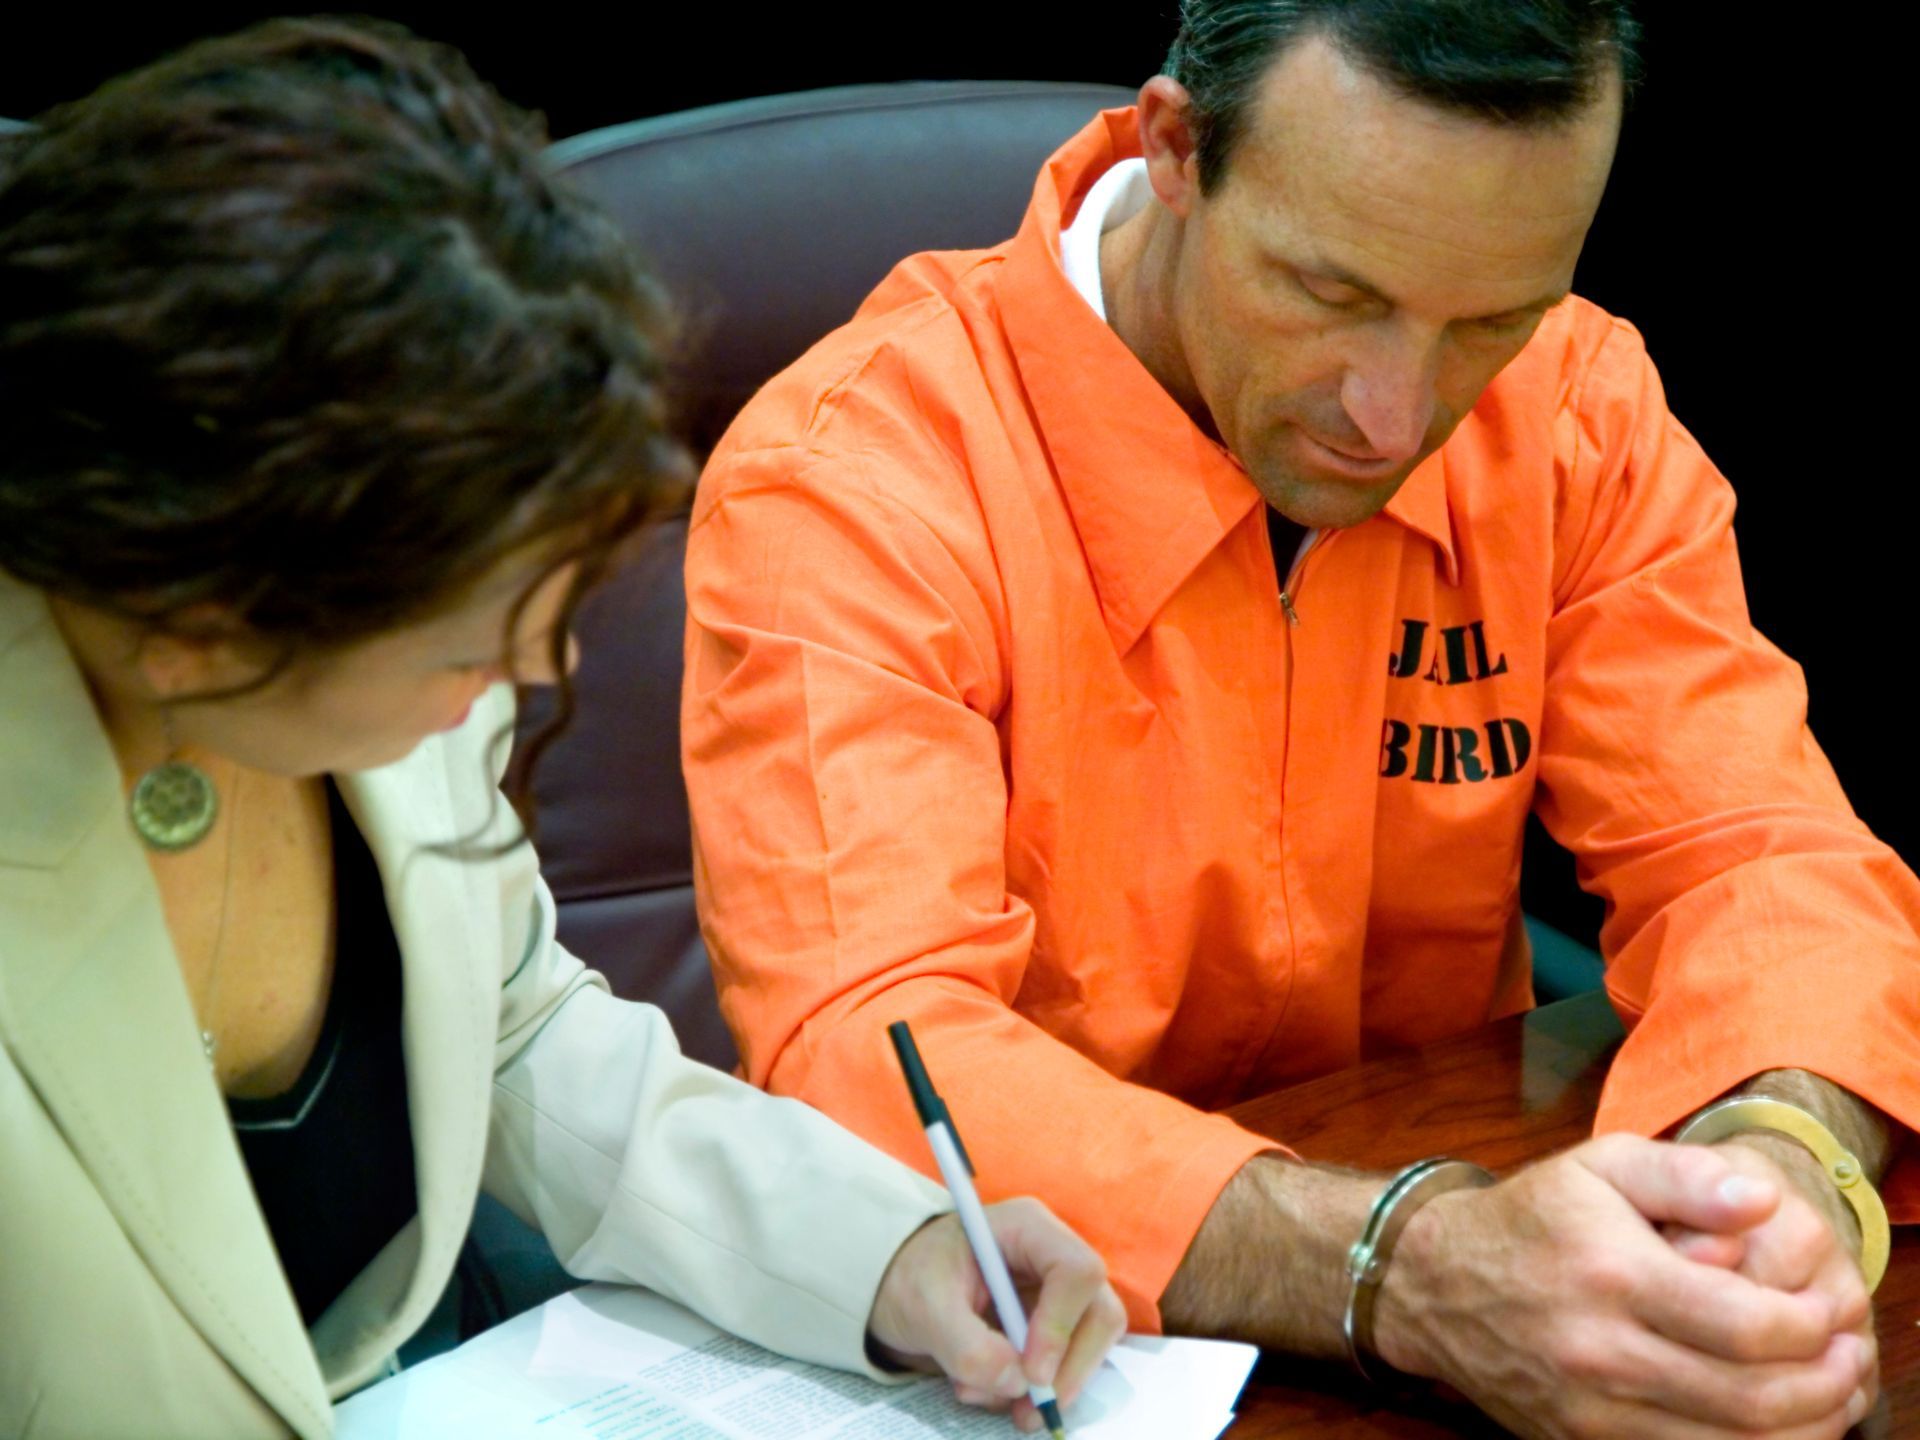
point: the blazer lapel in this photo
(446, 919)
(93, 1007)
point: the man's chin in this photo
(1327, 502)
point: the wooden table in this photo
(1502, 1096)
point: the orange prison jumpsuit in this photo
(993, 722)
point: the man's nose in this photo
(1390, 397)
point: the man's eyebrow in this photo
(1342, 276)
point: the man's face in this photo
(1364, 268)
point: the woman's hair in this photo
(297, 330)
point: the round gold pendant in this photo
(173, 806)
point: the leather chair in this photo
(769, 220)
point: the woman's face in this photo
(370, 703)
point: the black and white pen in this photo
(956, 1169)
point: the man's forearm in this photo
(1269, 1264)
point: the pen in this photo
(956, 1168)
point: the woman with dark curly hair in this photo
(323, 404)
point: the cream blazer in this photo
(140, 1295)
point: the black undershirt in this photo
(332, 1158)
(1285, 537)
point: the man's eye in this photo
(1329, 293)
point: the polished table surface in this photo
(1504, 1095)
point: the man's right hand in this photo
(1553, 1301)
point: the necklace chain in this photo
(208, 1016)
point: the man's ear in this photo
(1167, 142)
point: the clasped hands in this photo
(1633, 1288)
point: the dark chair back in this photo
(769, 221)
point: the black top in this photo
(1285, 537)
(332, 1158)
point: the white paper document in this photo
(611, 1362)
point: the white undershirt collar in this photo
(1116, 197)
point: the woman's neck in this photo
(106, 650)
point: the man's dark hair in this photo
(297, 329)
(1517, 62)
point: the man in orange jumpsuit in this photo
(1130, 654)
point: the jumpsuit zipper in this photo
(1289, 583)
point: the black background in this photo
(1744, 233)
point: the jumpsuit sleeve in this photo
(1753, 921)
(849, 804)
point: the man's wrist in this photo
(1270, 1262)
(1371, 1257)
(1417, 1274)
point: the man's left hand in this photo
(1811, 1242)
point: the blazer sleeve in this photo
(642, 1166)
